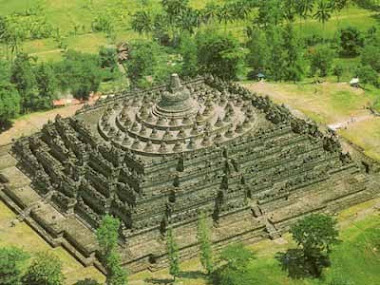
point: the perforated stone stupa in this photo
(157, 158)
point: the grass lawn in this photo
(325, 103)
(24, 237)
(331, 103)
(365, 134)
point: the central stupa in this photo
(185, 118)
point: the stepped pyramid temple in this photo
(155, 159)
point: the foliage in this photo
(321, 60)
(23, 77)
(12, 261)
(107, 236)
(293, 58)
(104, 21)
(315, 232)
(46, 269)
(351, 41)
(173, 254)
(236, 256)
(258, 56)
(142, 22)
(204, 240)
(9, 97)
(116, 275)
(270, 13)
(323, 11)
(367, 75)
(315, 235)
(220, 55)
(80, 73)
(108, 62)
(370, 54)
(277, 53)
(143, 62)
(233, 266)
(338, 71)
(47, 85)
(188, 50)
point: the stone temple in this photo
(156, 159)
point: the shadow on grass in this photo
(158, 281)
(300, 266)
(183, 274)
(192, 275)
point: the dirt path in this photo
(30, 124)
(354, 119)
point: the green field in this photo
(65, 15)
(357, 258)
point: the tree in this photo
(174, 10)
(79, 72)
(12, 262)
(224, 15)
(351, 42)
(258, 55)
(290, 10)
(269, 13)
(370, 54)
(304, 8)
(46, 269)
(321, 60)
(107, 236)
(142, 22)
(220, 55)
(277, 54)
(315, 235)
(315, 232)
(173, 254)
(47, 86)
(24, 79)
(293, 58)
(233, 266)
(190, 19)
(9, 97)
(368, 75)
(188, 50)
(209, 12)
(142, 62)
(108, 57)
(338, 71)
(323, 13)
(205, 244)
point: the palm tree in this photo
(338, 5)
(190, 19)
(323, 13)
(224, 16)
(209, 13)
(142, 22)
(290, 9)
(304, 8)
(174, 10)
